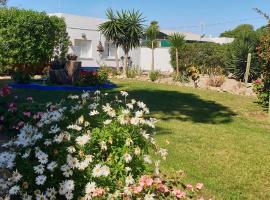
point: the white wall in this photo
(162, 59)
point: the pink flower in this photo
(12, 107)
(157, 181)
(27, 114)
(258, 81)
(199, 186)
(2, 118)
(163, 188)
(189, 187)
(98, 192)
(38, 115)
(137, 189)
(20, 125)
(29, 98)
(145, 181)
(178, 193)
(5, 91)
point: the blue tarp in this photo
(62, 87)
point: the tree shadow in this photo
(174, 105)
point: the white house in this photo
(85, 38)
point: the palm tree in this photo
(112, 32)
(177, 41)
(131, 26)
(151, 34)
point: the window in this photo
(110, 50)
(83, 48)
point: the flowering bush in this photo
(14, 111)
(88, 147)
(93, 78)
(261, 88)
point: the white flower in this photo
(107, 122)
(54, 129)
(99, 171)
(16, 176)
(14, 190)
(90, 187)
(48, 142)
(72, 161)
(124, 93)
(85, 95)
(93, 113)
(42, 157)
(26, 197)
(103, 146)
(71, 149)
(109, 110)
(66, 188)
(51, 193)
(129, 142)
(73, 97)
(137, 151)
(41, 197)
(127, 157)
(7, 160)
(141, 104)
(39, 169)
(129, 180)
(52, 165)
(147, 159)
(80, 120)
(128, 169)
(149, 197)
(130, 106)
(67, 172)
(139, 114)
(163, 153)
(40, 180)
(74, 127)
(82, 140)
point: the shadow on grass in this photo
(173, 105)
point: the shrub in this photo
(154, 75)
(133, 72)
(15, 112)
(28, 39)
(216, 81)
(88, 147)
(261, 88)
(93, 78)
(21, 77)
(182, 78)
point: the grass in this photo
(220, 139)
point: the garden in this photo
(139, 140)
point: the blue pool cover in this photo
(62, 87)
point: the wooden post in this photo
(247, 68)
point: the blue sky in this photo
(209, 17)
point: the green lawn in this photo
(220, 139)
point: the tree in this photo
(151, 34)
(28, 39)
(246, 42)
(112, 31)
(132, 32)
(238, 31)
(125, 30)
(177, 42)
(3, 2)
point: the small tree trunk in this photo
(177, 64)
(125, 71)
(153, 58)
(117, 60)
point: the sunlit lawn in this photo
(219, 139)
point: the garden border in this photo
(62, 87)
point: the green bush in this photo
(29, 39)
(262, 89)
(204, 56)
(89, 78)
(154, 75)
(21, 77)
(84, 139)
(134, 71)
